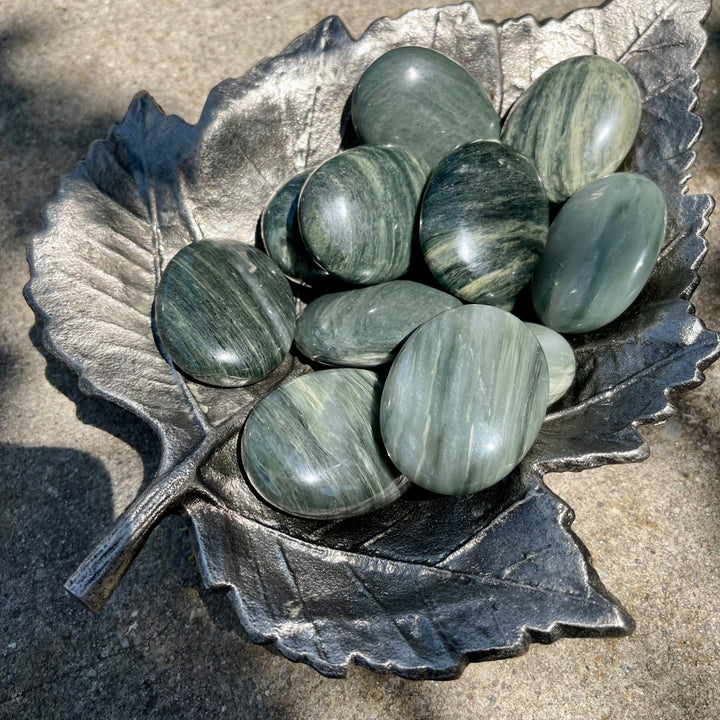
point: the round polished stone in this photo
(464, 399)
(224, 312)
(281, 234)
(601, 249)
(483, 222)
(421, 100)
(311, 446)
(364, 327)
(576, 122)
(357, 213)
(560, 359)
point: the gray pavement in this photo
(166, 648)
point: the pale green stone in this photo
(464, 399)
(364, 327)
(560, 359)
(576, 122)
(421, 100)
(311, 447)
(601, 249)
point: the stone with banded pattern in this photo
(357, 213)
(311, 446)
(224, 312)
(483, 222)
(364, 327)
(464, 399)
(576, 122)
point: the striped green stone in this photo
(601, 249)
(224, 312)
(464, 399)
(576, 122)
(560, 358)
(357, 213)
(281, 234)
(364, 327)
(483, 223)
(311, 447)
(421, 100)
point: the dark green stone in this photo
(364, 327)
(464, 399)
(357, 213)
(483, 222)
(281, 234)
(421, 100)
(311, 446)
(224, 312)
(576, 122)
(602, 247)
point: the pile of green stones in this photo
(434, 191)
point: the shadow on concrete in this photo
(155, 651)
(42, 139)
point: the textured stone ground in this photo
(164, 647)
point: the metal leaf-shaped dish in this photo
(423, 586)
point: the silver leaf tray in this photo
(424, 586)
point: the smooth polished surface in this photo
(224, 312)
(483, 223)
(464, 399)
(364, 327)
(576, 122)
(601, 249)
(281, 234)
(421, 100)
(311, 447)
(357, 213)
(560, 359)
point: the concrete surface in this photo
(164, 647)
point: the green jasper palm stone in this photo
(483, 222)
(281, 235)
(357, 213)
(576, 122)
(364, 327)
(421, 100)
(224, 312)
(560, 359)
(602, 247)
(464, 399)
(311, 447)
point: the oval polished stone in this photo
(364, 327)
(601, 249)
(576, 122)
(483, 223)
(224, 312)
(281, 234)
(560, 359)
(464, 399)
(357, 213)
(421, 100)
(311, 446)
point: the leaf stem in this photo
(101, 572)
